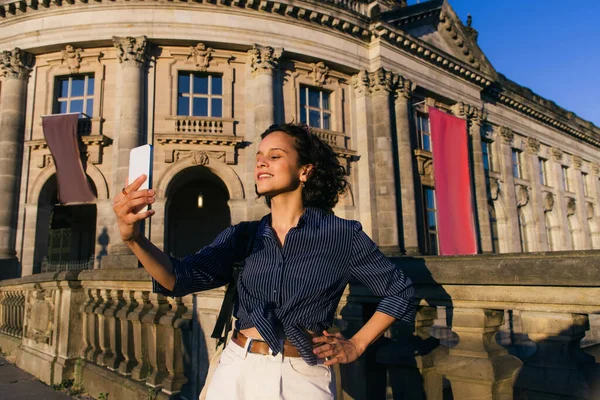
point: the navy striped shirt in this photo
(284, 291)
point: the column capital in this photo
(522, 193)
(382, 81)
(361, 82)
(507, 134)
(473, 114)
(533, 146)
(403, 89)
(571, 207)
(548, 198)
(577, 162)
(132, 50)
(16, 64)
(557, 154)
(595, 167)
(264, 59)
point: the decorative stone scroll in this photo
(507, 134)
(577, 162)
(548, 198)
(202, 56)
(264, 59)
(522, 195)
(16, 64)
(557, 154)
(72, 57)
(494, 189)
(533, 145)
(131, 50)
(319, 73)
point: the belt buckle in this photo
(249, 345)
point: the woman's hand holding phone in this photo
(126, 206)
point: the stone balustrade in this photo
(489, 327)
(203, 125)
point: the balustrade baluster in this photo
(156, 334)
(127, 344)
(20, 313)
(178, 318)
(94, 348)
(142, 368)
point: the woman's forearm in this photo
(372, 330)
(155, 261)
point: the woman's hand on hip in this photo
(125, 205)
(336, 349)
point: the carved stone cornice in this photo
(319, 73)
(577, 162)
(131, 51)
(264, 59)
(533, 146)
(571, 206)
(522, 193)
(548, 199)
(16, 64)
(202, 56)
(507, 134)
(557, 154)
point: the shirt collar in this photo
(311, 216)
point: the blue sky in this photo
(549, 46)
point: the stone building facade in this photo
(201, 80)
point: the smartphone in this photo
(140, 163)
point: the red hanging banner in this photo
(60, 131)
(454, 201)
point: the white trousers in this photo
(246, 376)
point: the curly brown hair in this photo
(327, 180)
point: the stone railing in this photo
(337, 140)
(491, 327)
(203, 125)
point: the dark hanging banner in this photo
(60, 132)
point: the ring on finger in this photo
(327, 358)
(123, 191)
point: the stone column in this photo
(560, 203)
(132, 54)
(582, 216)
(478, 367)
(559, 368)
(263, 62)
(508, 190)
(382, 85)
(15, 67)
(595, 189)
(475, 118)
(405, 164)
(537, 199)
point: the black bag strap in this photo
(243, 245)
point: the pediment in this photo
(436, 23)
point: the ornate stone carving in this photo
(198, 157)
(403, 87)
(360, 82)
(72, 57)
(571, 206)
(548, 198)
(264, 59)
(202, 56)
(16, 64)
(494, 189)
(507, 134)
(557, 154)
(590, 210)
(522, 195)
(533, 145)
(39, 314)
(425, 166)
(382, 80)
(577, 162)
(131, 50)
(44, 160)
(319, 73)
(595, 167)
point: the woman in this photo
(291, 284)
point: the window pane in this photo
(302, 97)
(89, 108)
(433, 242)
(217, 108)
(200, 84)
(427, 142)
(200, 107)
(183, 105)
(62, 107)
(90, 85)
(64, 88)
(326, 121)
(325, 101)
(425, 124)
(314, 118)
(76, 106)
(431, 223)
(303, 115)
(217, 85)
(313, 98)
(183, 86)
(77, 87)
(430, 199)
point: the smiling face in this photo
(277, 168)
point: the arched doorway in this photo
(197, 211)
(64, 233)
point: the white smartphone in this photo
(140, 163)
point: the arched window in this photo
(494, 228)
(523, 231)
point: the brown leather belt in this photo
(258, 346)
